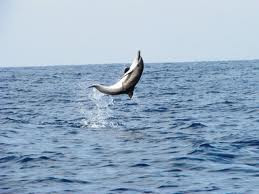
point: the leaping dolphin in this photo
(128, 81)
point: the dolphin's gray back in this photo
(134, 77)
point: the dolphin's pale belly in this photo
(114, 89)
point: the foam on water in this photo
(98, 114)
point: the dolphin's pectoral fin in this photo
(126, 69)
(127, 72)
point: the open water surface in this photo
(190, 128)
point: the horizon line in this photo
(118, 63)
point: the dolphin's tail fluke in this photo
(93, 86)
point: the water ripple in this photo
(189, 128)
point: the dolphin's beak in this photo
(138, 55)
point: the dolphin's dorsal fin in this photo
(130, 93)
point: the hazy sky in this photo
(42, 32)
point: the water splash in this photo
(99, 113)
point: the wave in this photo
(61, 180)
(196, 125)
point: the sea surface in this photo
(189, 128)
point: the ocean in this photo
(189, 128)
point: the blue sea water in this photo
(190, 128)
